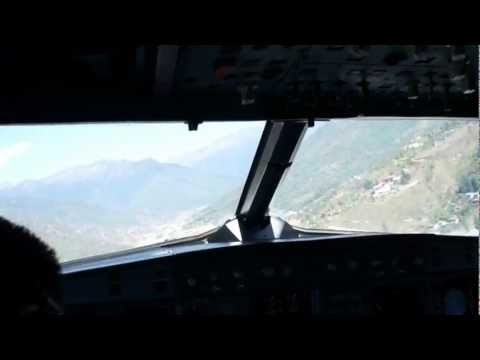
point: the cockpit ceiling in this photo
(202, 83)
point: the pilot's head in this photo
(29, 274)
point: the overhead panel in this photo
(248, 82)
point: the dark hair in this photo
(29, 268)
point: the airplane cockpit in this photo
(325, 181)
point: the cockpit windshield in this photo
(100, 188)
(96, 189)
(404, 175)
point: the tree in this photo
(368, 184)
(429, 172)
(476, 183)
(405, 177)
(468, 183)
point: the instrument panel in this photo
(332, 276)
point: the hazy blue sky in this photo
(32, 152)
(36, 151)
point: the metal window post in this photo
(277, 148)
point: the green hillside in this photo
(417, 184)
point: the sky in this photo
(37, 151)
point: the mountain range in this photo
(113, 205)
